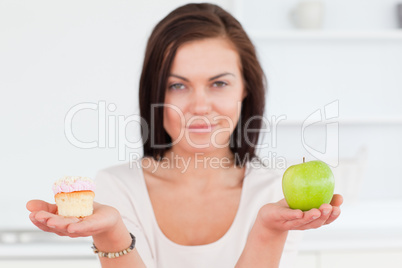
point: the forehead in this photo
(210, 55)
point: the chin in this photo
(209, 149)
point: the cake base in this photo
(75, 204)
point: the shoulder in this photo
(121, 170)
(117, 180)
(264, 181)
(262, 173)
(120, 174)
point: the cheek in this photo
(172, 119)
(230, 110)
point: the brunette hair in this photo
(188, 23)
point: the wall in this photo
(55, 55)
(354, 60)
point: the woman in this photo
(197, 197)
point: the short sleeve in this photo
(112, 190)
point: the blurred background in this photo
(69, 73)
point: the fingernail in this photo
(51, 226)
(315, 217)
(325, 212)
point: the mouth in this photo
(201, 128)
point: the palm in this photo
(44, 216)
(278, 216)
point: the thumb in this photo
(282, 203)
(38, 205)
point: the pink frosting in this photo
(73, 184)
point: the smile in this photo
(201, 128)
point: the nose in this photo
(200, 104)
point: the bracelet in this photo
(111, 255)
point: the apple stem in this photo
(304, 159)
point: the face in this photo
(203, 95)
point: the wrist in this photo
(114, 239)
(112, 255)
(263, 248)
(265, 233)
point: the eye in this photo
(219, 84)
(177, 86)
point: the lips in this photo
(201, 128)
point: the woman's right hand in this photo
(44, 216)
(105, 226)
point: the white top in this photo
(123, 187)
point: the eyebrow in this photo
(210, 79)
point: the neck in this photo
(206, 169)
(201, 161)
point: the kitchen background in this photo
(335, 63)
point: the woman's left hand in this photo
(271, 227)
(278, 217)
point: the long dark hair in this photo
(188, 23)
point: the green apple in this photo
(308, 185)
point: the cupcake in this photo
(74, 196)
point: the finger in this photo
(283, 203)
(336, 211)
(43, 216)
(49, 225)
(326, 211)
(61, 223)
(311, 215)
(337, 200)
(88, 226)
(42, 226)
(37, 223)
(308, 216)
(291, 214)
(37, 205)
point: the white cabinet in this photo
(51, 264)
(61, 263)
(307, 260)
(350, 259)
(37, 249)
(355, 241)
(367, 259)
